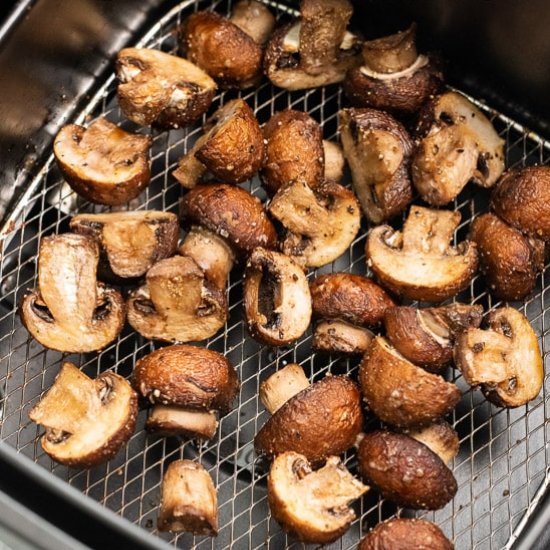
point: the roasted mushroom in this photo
(378, 150)
(294, 151)
(419, 263)
(459, 144)
(282, 385)
(131, 242)
(187, 386)
(404, 534)
(229, 50)
(159, 89)
(232, 147)
(393, 76)
(103, 163)
(334, 161)
(87, 421)
(504, 359)
(312, 505)
(70, 311)
(426, 336)
(405, 471)
(277, 301)
(400, 393)
(509, 260)
(320, 225)
(188, 500)
(323, 419)
(315, 50)
(522, 199)
(341, 337)
(439, 438)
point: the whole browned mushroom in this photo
(400, 393)
(315, 50)
(103, 163)
(230, 49)
(70, 311)
(131, 242)
(393, 76)
(504, 359)
(187, 385)
(378, 150)
(87, 421)
(509, 260)
(314, 506)
(159, 89)
(419, 263)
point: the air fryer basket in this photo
(503, 461)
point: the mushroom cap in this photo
(87, 421)
(156, 88)
(187, 376)
(405, 471)
(400, 393)
(419, 263)
(341, 337)
(352, 298)
(232, 213)
(322, 420)
(522, 199)
(312, 505)
(508, 259)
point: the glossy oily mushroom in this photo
(102, 163)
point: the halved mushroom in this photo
(294, 151)
(341, 337)
(426, 336)
(400, 393)
(504, 359)
(405, 471)
(419, 263)
(334, 161)
(378, 150)
(188, 500)
(405, 533)
(229, 50)
(393, 76)
(522, 199)
(131, 242)
(187, 386)
(316, 50)
(232, 148)
(323, 419)
(312, 505)
(103, 163)
(177, 303)
(159, 89)
(509, 260)
(70, 311)
(87, 421)
(277, 301)
(459, 145)
(320, 224)
(439, 438)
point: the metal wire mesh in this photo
(504, 456)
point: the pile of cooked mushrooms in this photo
(403, 136)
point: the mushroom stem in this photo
(190, 170)
(393, 53)
(254, 19)
(282, 386)
(172, 420)
(334, 160)
(439, 438)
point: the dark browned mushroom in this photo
(103, 163)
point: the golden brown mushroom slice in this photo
(400, 393)
(419, 263)
(70, 311)
(131, 242)
(315, 50)
(504, 360)
(87, 421)
(312, 505)
(189, 500)
(320, 225)
(177, 303)
(162, 90)
(378, 150)
(103, 163)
